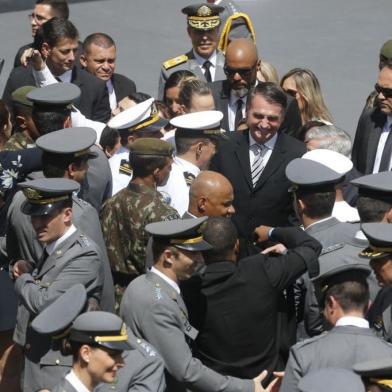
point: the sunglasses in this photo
(386, 92)
(243, 72)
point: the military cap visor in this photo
(100, 329)
(70, 141)
(203, 16)
(182, 233)
(19, 96)
(376, 186)
(45, 195)
(55, 95)
(378, 371)
(379, 236)
(386, 49)
(59, 315)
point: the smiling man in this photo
(204, 60)
(99, 58)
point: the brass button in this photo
(57, 362)
(138, 341)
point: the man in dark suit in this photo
(230, 95)
(372, 148)
(254, 162)
(99, 58)
(57, 42)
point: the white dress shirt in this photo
(119, 180)
(52, 246)
(343, 212)
(232, 109)
(73, 379)
(268, 145)
(171, 282)
(352, 320)
(176, 186)
(112, 95)
(381, 145)
(212, 59)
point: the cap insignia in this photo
(204, 11)
(32, 194)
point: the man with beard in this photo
(230, 95)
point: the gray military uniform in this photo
(76, 260)
(22, 241)
(155, 312)
(191, 64)
(342, 347)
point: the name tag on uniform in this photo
(190, 331)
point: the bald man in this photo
(230, 95)
(210, 194)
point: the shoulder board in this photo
(84, 241)
(305, 342)
(331, 248)
(125, 167)
(189, 178)
(175, 61)
(145, 348)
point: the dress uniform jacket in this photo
(122, 86)
(120, 169)
(155, 312)
(189, 63)
(75, 260)
(269, 202)
(93, 102)
(342, 347)
(22, 241)
(221, 91)
(143, 370)
(380, 314)
(235, 305)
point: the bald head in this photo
(241, 49)
(211, 194)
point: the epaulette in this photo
(158, 292)
(331, 248)
(146, 348)
(125, 168)
(175, 61)
(84, 241)
(189, 178)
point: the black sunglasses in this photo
(244, 72)
(386, 92)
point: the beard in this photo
(241, 92)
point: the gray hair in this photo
(331, 138)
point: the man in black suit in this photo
(234, 304)
(99, 58)
(372, 148)
(254, 161)
(57, 43)
(230, 95)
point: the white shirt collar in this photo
(73, 379)
(201, 60)
(270, 144)
(352, 320)
(315, 223)
(66, 77)
(190, 214)
(359, 235)
(186, 164)
(169, 281)
(51, 247)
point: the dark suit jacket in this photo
(291, 123)
(93, 102)
(123, 86)
(366, 140)
(235, 306)
(269, 202)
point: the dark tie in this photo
(238, 114)
(207, 73)
(386, 152)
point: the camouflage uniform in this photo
(18, 141)
(123, 219)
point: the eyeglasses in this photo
(38, 18)
(243, 72)
(386, 92)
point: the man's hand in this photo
(261, 233)
(33, 57)
(21, 267)
(273, 386)
(278, 248)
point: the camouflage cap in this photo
(151, 146)
(19, 95)
(386, 49)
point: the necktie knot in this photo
(207, 64)
(207, 74)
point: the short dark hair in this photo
(183, 144)
(49, 121)
(317, 204)
(139, 97)
(221, 233)
(100, 39)
(144, 165)
(59, 7)
(350, 295)
(53, 30)
(372, 210)
(270, 91)
(109, 137)
(55, 165)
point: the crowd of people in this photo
(223, 236)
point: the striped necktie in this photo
(258, 162)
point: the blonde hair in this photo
(309, 89)
(268, 72)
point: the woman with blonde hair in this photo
(303, 85)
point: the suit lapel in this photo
(242, 154)
(194, 66)
(75, 79)
(220, 62)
